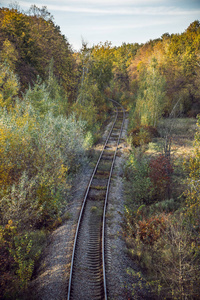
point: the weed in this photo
(93, 209)
(66, 216)
(99, 187)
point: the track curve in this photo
(88, 265)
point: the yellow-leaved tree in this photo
(9, 87)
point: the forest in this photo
(53, 103)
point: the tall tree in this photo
(36, 39)
(149, 104)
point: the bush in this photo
(19, 253)
(178, 261)
(137, 172)
(142, 134)
(165, 249)
(149, 179)
(150, 230)
(193, 190)
(160, 171)
(39, 153)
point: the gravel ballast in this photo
(51, 281)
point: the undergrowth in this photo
(160, 232)
(43, 144)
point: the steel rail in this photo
(106, 200)
(82, 209)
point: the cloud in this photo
(96, 2)
(115, 2)
(118, 10)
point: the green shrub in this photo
(137, 172)
(19, 252)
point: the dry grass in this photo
(182, 135)
(99, 187)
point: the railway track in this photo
(88, 265)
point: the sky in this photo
(116, 21)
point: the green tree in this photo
(9, 87)
(30, 41)
(151, 94)
(56, 91)
(101, 65)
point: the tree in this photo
(30, 42)
(9, 54)
(151, 93)
(9, 87)
(101, 65)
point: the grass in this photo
(100, 196)
(104, 166)
(102, 174)
(66, 216)
(108, 152)
(99, 187)
(93, 209)
(182, 131)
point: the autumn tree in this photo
(151, 93)
(9, 87)
(101, 65)
(30, 41)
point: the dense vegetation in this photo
(48, 108)
(53, 102)
(161, 218)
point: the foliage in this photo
(137, 172)
(19, 253)
(101, 65)
(44, 134)
(30, 41)
(9, 87)
(150, 230)
(46, 150)
(193, 191)
(95, 67)
(142, 135)
(174, 61)
(58, 96)
(151, 93)
(40, 150)
(162, 236)
(160, 175)
(166, 251)
(91, 105)
(150, 178)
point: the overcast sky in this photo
(116, 21)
